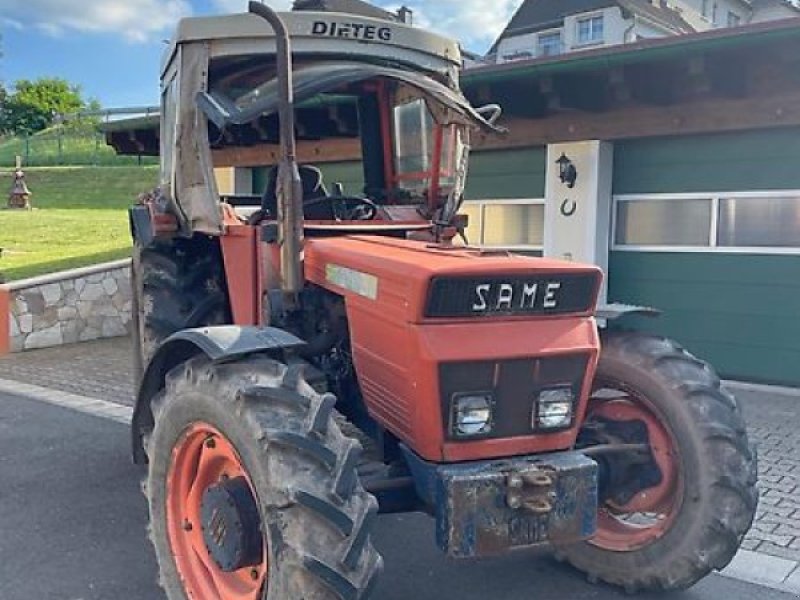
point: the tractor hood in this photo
(316, 79)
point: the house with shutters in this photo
(550, 27)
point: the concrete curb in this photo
(765, 570)
(68, 274)
(82, 404)
(762, 388)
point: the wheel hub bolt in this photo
(187, 526)
(253, 574)
(210, 443)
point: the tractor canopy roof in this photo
(321, 34)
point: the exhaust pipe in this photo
(289, 186)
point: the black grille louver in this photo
(459, 297)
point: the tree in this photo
(34, 105)
(3, 100)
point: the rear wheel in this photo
(679, 507)
(253, 491)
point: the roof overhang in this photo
(644, 51)
(721, 80)
(138, 136)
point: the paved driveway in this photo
(72, 520)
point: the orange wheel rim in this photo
(651, 512)
(203, 457)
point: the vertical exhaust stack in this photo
(289, 188)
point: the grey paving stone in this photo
(99, 369)
(787, 552)
(773, 420)
(750, 544)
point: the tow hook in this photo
(532, 491)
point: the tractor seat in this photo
(314, 194)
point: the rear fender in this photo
(219, 344)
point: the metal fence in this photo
(75, 141)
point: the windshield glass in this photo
(428, 156)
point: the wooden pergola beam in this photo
(332, 150)
(704, 116)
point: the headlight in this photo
(471, 414)
(553, 409)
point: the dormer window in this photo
(590, 30)
(548, 43)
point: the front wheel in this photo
(253, 490)
(679, 506)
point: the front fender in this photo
(615, 310)
(219, 344)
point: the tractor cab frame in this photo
(392, 86)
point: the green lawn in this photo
(79, 218)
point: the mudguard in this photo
(611, 312)
(219, 344)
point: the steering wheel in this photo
(353, 208)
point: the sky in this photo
(112, 48)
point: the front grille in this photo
(509, 296)
(516, 385)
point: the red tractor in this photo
(310, 357)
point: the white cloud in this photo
(475, 23)
(237, 6)
(135, 20)
(11, 23)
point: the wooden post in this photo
(20, 195)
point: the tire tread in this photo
(728, 498)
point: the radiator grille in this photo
(504, 296)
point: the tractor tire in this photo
(673, 533)
(256, 426)
(178, 284)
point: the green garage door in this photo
(505, 199)
(708, 230)
(350, 174)
(499, 174)
(493, 175)
(505, 195)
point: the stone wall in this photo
(71, 306)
